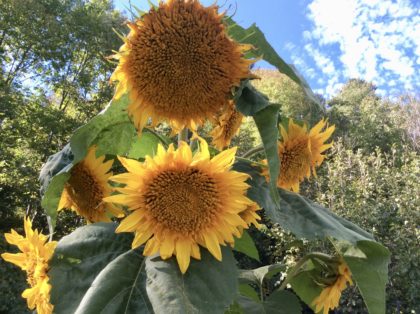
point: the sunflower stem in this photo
(253, 151)
(183, 136)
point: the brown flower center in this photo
(184, 200)
(182, 62)
(295, 160)
(85, 192)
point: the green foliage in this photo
(98, 272)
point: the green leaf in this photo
(79, 258)
(300, 215)
(246, 245)
(279, 302)
(266, 121)
(119, 288)
(282, 302)
(369, 266)
(115, 139)
(208, 286)
(257, 275)
(144, 145)
(111, 130)
(305, 286)
(254, 36)
(249, 101)
(248, 291)
(53, 176)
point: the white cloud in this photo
(377, 40)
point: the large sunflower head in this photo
(318, 135)
(180, 201)
(330, 295)
(179, 65)
(228, 126)
(33, 259)
(87, 185)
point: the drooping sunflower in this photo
(317, 137)
(36, 252)
(227, 127)
(180, 201)
(87, 186)
(330, 295)
(179, 65)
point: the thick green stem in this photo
(183, 136)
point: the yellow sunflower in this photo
(87, 185)
(179, 65)
(318, 138)
(180, 201)
(330, 296)
(227, 127)
(300, 151)
(36, 252)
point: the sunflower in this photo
(300, 151)
(180, 201)
(330, 295)
(36, 252)
(228, 126)
(317, 139)
(179, 65)
(87, 185)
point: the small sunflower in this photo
(36, 252)
(300, 151)
(318, 138)
(330, 295)
(295, 156)
(228, 126)
(180, 201)
(87, 185)
(179, 65)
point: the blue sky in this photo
(330, 41)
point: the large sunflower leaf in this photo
(79, 258)
(53, 176)
(266, 121)
(246, 245)
(111, 130)
(119, 288)
(248, 100)
(368, 263)
(262, 49)
(208, 286)
(278, 302)
(298, 214)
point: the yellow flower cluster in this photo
(33, 259)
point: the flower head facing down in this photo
(87, 186)
(33, 259)
(180, 201)
(178, 65)
(330, 295)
